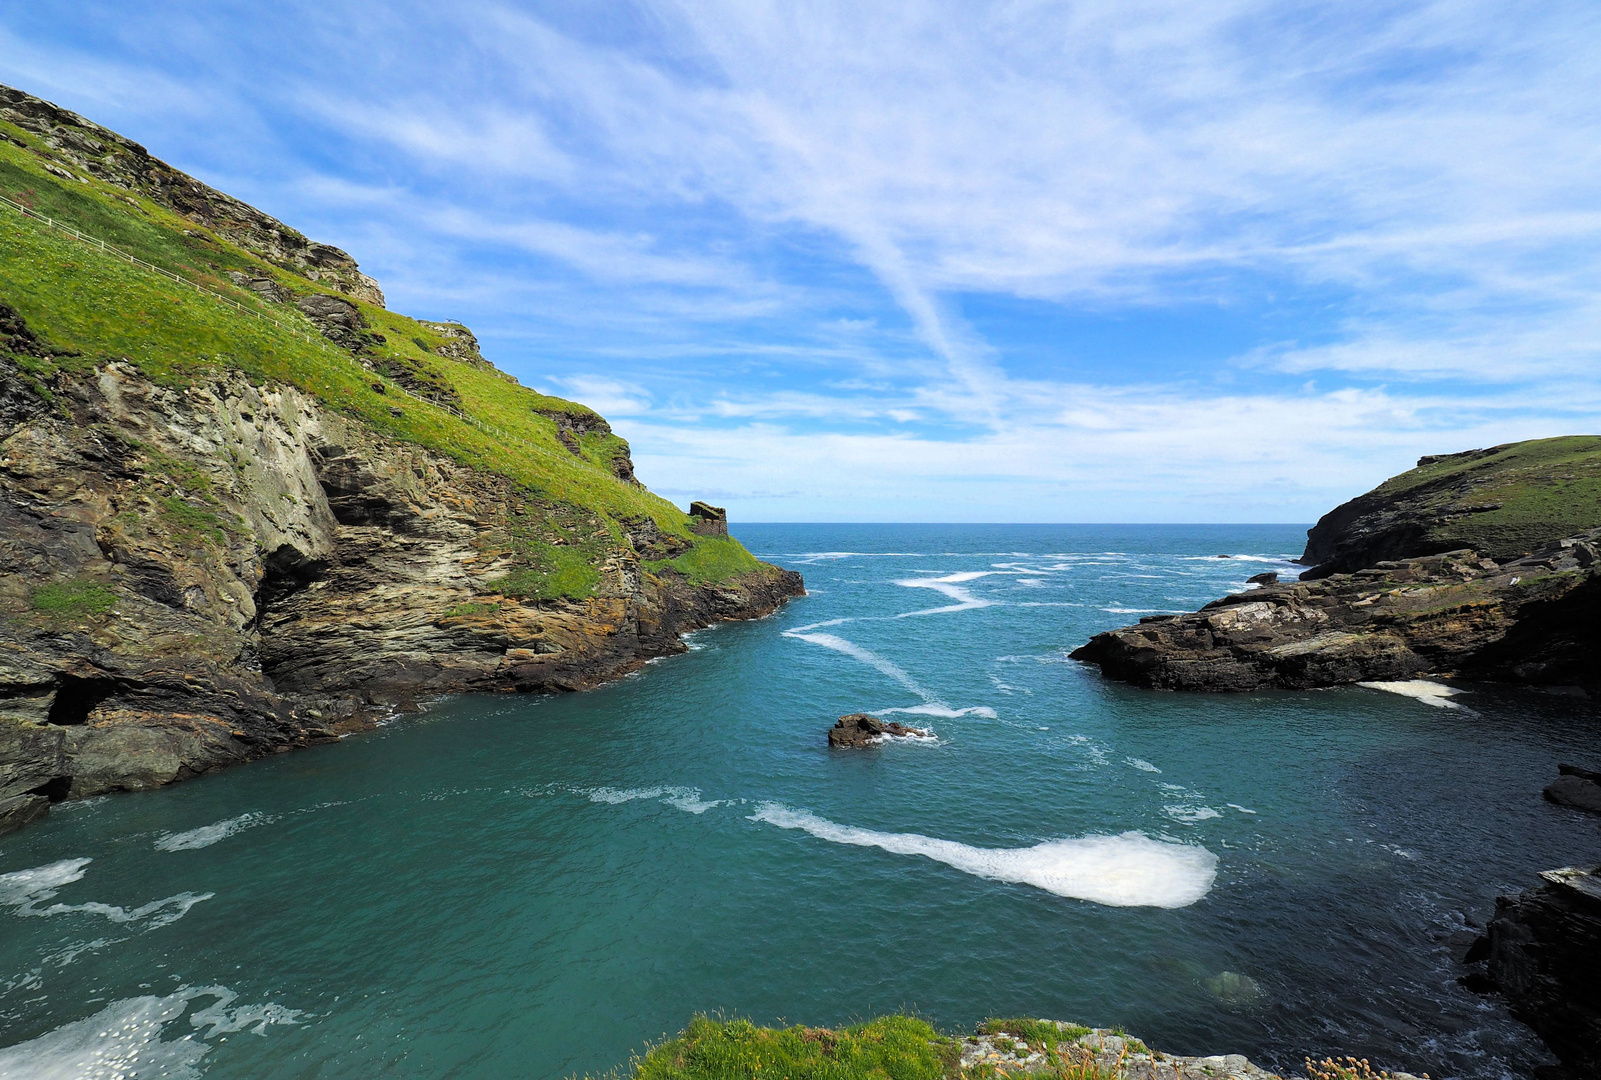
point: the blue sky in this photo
(1114, 260)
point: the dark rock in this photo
(708, 520)
(1271, 577)
(1544, 950)
(1534, 620)
(862, 729)
(1575, 791)
(20, 810)
(1583, 774)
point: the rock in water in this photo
(1544, 948)
(1271, 577)
(861, 729)
(1575, 791)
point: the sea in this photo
(542, 886)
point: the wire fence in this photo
(300, 332)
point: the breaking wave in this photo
(1430, 693)
(207, 835)
(1128, 870)
(26, 890)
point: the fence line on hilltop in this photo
(111, 249)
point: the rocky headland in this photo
(250, 509)
(1514, 597)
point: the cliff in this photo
(243, 506)
(1502, 502)
(1522, 606)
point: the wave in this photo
(1430, 693)
(25, 890)
(1141, 764)
(682, 798)
(1189, 815)
(950, 586)
(207, 835)
(1128, 870)
(945, 711)
(129, 1039)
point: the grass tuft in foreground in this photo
(890, 1048)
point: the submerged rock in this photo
(862, 729)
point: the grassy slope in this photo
(100, 307)
(889, 1048)
(1546, 488)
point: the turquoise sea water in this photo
(533, 887)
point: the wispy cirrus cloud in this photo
(775, 237)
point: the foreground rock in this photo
(1541, 952)
(1533, 619)
(861, 729)
(999, 1049)
(193, 577)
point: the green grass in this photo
(891, 1048)
(73, 599)
(1034, 1032)
(712, 559)
(1545, 488)
(95, 307)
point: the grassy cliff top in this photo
(1509, 498)
(418, 381)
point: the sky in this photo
(1108, 260)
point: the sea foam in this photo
(125, 1040)
(1129, 870)
(25, 890)
(680, 798)
(207, 835)
(1430, 693)
(948, 585)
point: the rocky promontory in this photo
(1383, 602)
(245, 508)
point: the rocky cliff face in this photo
(80, 144)
(192, 577)
(1541, 951)
(1529, 620)
(1503, 502)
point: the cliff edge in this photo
(243, 506)
(1395, 593)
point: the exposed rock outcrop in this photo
(192, 577)
(863, 729)
(1575, 787)
(107, 156)
(1541, 952)
(1503, 502)
(1531, 620)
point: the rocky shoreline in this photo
(1529, 620)
(1045, 1047)
(247, 571)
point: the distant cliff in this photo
(243, 506)
(1397, 593)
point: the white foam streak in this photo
(1430, 693)
(1141, 764)
(948, 586)
(945, 711)
(25, 890)
(125, 1040)
(872, 659)
(1129, 870)
(207, 835)
(680, 798)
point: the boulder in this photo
(861, 729)
(1270, 577)
(1575, 791)
(20, 810)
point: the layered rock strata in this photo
(192, 577)
(1541, 952)
(1530, 620)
